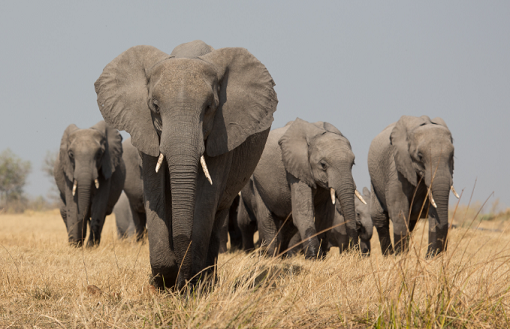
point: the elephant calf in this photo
(337, 236)
(411, 167)
(90, 174)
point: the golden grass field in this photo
(43, 284)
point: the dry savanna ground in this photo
(44, 283)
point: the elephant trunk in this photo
(182, 146)
(345, 194)
(438, 217)
(78, 229)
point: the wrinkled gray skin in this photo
(337, 237)
(133, 187)
(300, 163)
(403, 161)
(86, 155)
(124, 217)
(218, 105)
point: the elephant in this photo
(124, 217)
(411, 167)
(89, 172)
(133, 188)
(337, 236)
(199, 118)
(304, 168)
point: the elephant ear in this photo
(65, 162)
(191, 49)
(122, 95)
(247, 99)
(400, 145)
(113, 148)
(294, 144)
(366, 194)
(328, 127)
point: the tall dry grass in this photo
(44, 283)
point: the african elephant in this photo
(337, 236)
(124, 217)
(89, 173)
(411, 166)
(199, 118)
(303, 169)
(133, 187)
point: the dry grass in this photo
(46, 284)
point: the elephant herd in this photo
(202, 161)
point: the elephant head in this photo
(319, 155)
(423, 151)
(88, 157)
(184, 109)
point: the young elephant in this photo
(303, 169)
(337, 237)
(90, 174)
(411, 167)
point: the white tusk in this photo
(333, 197)
(160, 161)
(431, 199)
(204, 168)
(96, 182)
(455, 193)
(239, 193)
(74, 187)
(359, 196)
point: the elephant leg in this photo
(140, 223)
(303, 213)
(158, 209)
(398, 210)
(324, 218)
(268, 231)
(236, 240)
(223, 236)
(294, 245)
(438, 234)
(381, 222)
(401, 232)
(209, 219)
(247, 227)
(215, 240)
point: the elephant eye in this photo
(420, 156)
(71, 154)
(155, 106)
(323, 164)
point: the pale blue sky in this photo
(359, 65)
